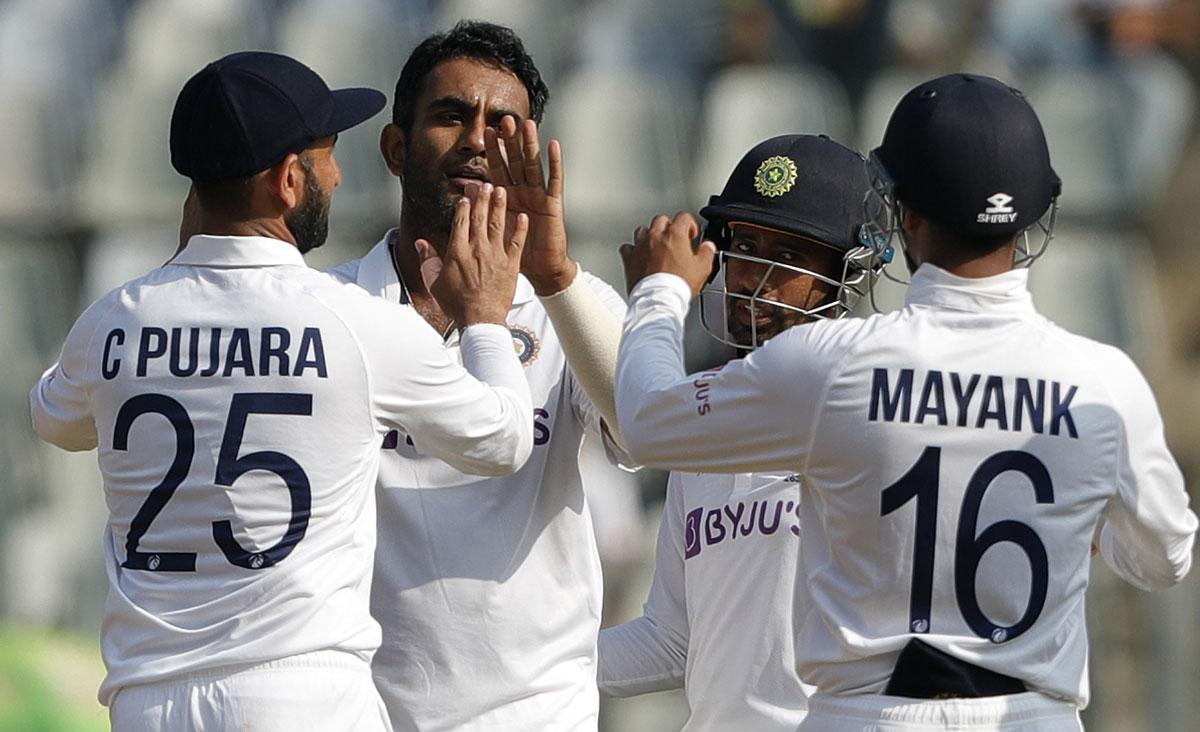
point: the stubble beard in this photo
(426, 203)
(309, 224)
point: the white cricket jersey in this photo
(489, 591)
(958, 455)
(237, 399)
(718, 620)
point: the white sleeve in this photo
(587, 321)
(649, 653)
(1149, 530)
(753, 414)
(60, 403)
(475, 417)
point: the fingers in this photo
(658, 225)
(431, 264)
(512, 147)
(516, 242)
(495, 217)
(532, 152)
(481, 197)
(497, 165)
(460, 229)
(687, 223)
(555, 185)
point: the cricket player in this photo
(958, 455)
(489, 591)
(237, 400)
(791, 232)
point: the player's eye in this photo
(788, 256)
(743, 246)
(450, 117)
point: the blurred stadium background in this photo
(654, 100)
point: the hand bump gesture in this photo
(667, 246)
(514, 162)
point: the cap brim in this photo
(731, 212)
(352, 107)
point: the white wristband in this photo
(590, 334)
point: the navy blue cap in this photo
(969, 152)
(244, 113)
(805, 185)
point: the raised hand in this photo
(476, 279)
(518, 168)
(667, 247)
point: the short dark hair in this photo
(234, 197)
(474, 39)
(229, 197)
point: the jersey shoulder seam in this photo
(308, 290)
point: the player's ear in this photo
(393, 146)
(286, 181)
(910, 221)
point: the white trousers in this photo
(325, 691)
(1028, 712)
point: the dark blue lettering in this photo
(933, 399)
(881, 392)
(993, 404)
(238, 355)
(312, 353)
(1060, 410)
(1025, 400)
(147, 351)
(110, 368)
(193, 351)
(278, 351)
(963, 398)
(214, 353)
(541, 432)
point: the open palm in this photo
(518, 168)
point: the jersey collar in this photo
(934, 286)
(204, 250)
(378, 276)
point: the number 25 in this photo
(229, 468)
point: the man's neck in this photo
(964, 264)
(408, 268)
(266, 227)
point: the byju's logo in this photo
(706, 527)
(998, 210)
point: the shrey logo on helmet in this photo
(954, 143)
(999, 212)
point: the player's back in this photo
(233, 412)
(963, 453)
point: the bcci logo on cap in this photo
(998, 212)
(775, 176)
